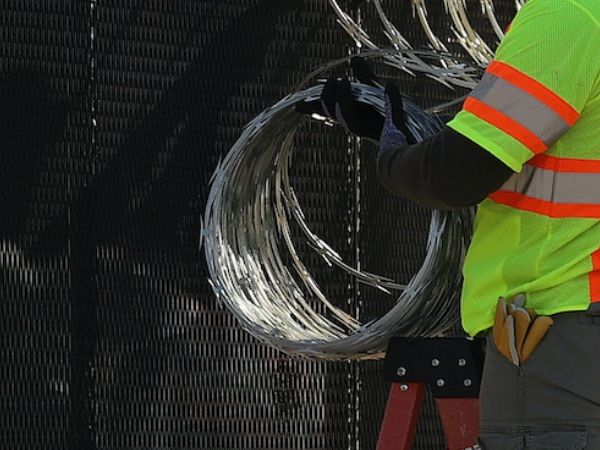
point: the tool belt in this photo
(518, 331)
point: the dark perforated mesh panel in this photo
(113, 115)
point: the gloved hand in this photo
(394, 134)
(517, 331)
(338, 103)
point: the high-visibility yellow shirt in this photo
(537, 109)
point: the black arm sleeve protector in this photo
(445, 171)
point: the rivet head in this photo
(462, 362)
(435, 362)
(401, 372)
(440, 382)
(404, 387)
(468, 382)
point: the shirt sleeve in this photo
(543, 74)
(445, 171)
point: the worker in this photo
(526, 150)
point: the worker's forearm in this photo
(446, 171)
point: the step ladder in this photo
(452, 368)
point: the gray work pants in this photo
(553, 400)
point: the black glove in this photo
(395, 133)
(338, 103)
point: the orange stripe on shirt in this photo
(506, 124)
(565, 164)
(544, 207)
(594, 278)
(535, 89)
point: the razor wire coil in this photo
(247, 227)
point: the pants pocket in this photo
(496, 440)
(499, 393)
(557, 440)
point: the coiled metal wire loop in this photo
(247, 230)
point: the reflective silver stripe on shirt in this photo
(556, 187)
(521, 107)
